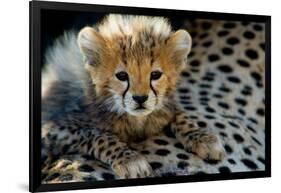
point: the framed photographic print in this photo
(124, 96)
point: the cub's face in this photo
(141, 86)
(135, 74)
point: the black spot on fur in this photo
(108, 153)
(260, 112)
(251, 129)
(253, 120)
(184, 97)
(207, 44)
(224, 89)
(145, 152)
(258, 27)
(231, 161)
(233, 124)
(250, 164)
(249, 35)
(246, 92)
(193, 117)
(232, 41)
(182, 165)
(208, 78)
(252, 54)
(112, 143)
(219, 96)
(85, 168)
(209, 117)
(192, 81)
(194, 63)
(185, 74)
(183, 90)
(241, 101)
(223, 33)
(213, 57)
(256, 76)
(210, 109)
(155, 165)
(234, 79)
(191, 54)
(160, 142)
(219, 125)
(256, 140)
(225, 68)
(203, 93)
(100, 141)
(179, 145)
(203, 36)
(201, 124)
(262, 45)
(247, 151)
(223, 105)
(108, 176)
(212, 162)
(224, 169)
(182, 156)
(261, 160)
(185, 102)
(259, 84)
(204, 99)
(205, 86)
(190, 108)
(243, 63)
(238, 138)
(227, 51)
(223, 134)
(210, 74)
(162, 152)
(228, 149)
(168, 132)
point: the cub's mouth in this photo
(140, 110)
(140, 107)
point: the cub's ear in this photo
(91, 44)
(179, 45)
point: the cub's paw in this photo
(207, 146)
(132, 165)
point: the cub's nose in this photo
(140, 99)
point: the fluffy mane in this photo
(118, 25)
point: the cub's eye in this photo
(123, 76)
(155, 75)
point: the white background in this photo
(14, 73)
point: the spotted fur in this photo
(221, 93)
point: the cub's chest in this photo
(133, 128)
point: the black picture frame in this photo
(35, 95)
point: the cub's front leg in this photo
(105, 146)
(125, 162)
(205, 144)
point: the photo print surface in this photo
(137, 96)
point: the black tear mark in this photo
(124, 93)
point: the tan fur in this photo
(137, 45)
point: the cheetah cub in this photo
(125, 91)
